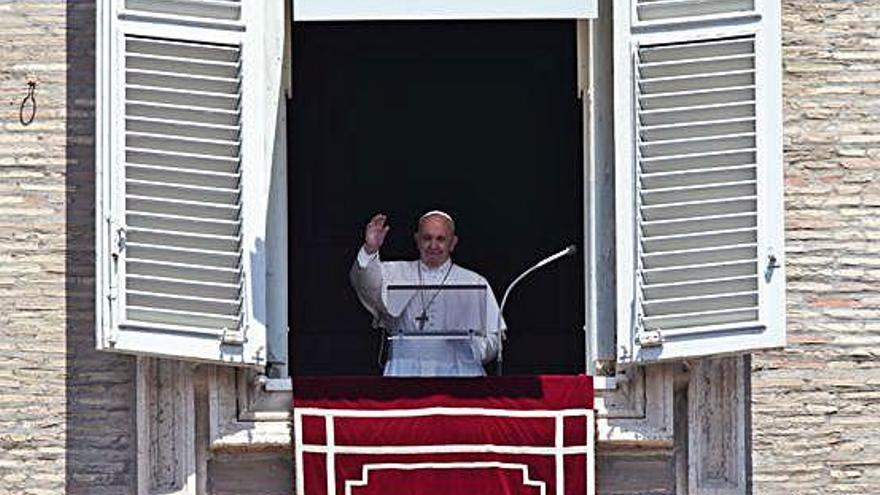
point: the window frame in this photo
(607, 199)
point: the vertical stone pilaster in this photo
(717, 429)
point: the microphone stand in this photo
(544, 262)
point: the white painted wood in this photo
(699, 179)
(585, 93)
(717, 429)
(639, 410)
(275, 142)
(362, 10)
(596, 57)
(192, 117)
(625, 228)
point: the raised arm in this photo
(366, 273)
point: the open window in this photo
(650, 136)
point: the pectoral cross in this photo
(422, 319)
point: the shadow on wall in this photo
(100, 395)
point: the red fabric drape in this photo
(492, 435)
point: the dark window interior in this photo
(480, 119)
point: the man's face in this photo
(435, 240)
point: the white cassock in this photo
(371, 277)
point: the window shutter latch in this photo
(650, 338)
(772, 264)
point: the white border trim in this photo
(395, 10)
(331, 449)
(366, 468)
(437, 411)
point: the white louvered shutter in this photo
(699, 178)
(181, 165)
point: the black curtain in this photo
(480, 119)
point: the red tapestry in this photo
(436, 436)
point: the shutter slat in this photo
(219, 164)
(696, 49)
(677, 325)
(182, 256)
(229, 10)
(703, 144)
(696, 83)
(171, 175)
(664, 180)
(702, 287)
(192, 209)
(211, 147)
(199, 194)
(183, 271)
(692, 209)
(183, 49)
(185, 321)
(183, 239)
(687, 257)
(697, 304)
(680, 99)
(699, 240)
(697, 224)
(682, 162)
(207, 226)
(183, 303)
(668, 195)
(195, 82)
(215, 132)
(696, 66)
(662, 10)
(181, 113)
(183, 98)
(698, 113)
(696, 272)
(682, 130)
(174, 66)
(172, 287)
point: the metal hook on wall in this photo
(32, 86)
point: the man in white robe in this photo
(429, 310)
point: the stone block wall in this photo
(66, 411)
(816, 405)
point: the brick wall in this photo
(65, 410)
(816, 406)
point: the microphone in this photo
(546, 261)
(568, 251)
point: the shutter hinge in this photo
(117, 244)
(650, 338)
(233, 337)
